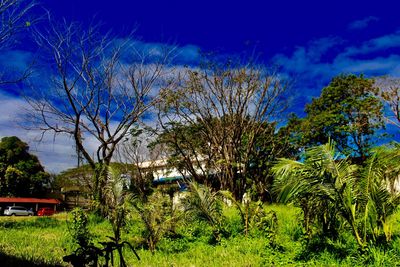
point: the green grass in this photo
(25, 241)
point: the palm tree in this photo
(330, 190)
(203, 204)
(378, 196)
(157, 215)
(117, 209)
(321, 185)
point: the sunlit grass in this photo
(45, 240)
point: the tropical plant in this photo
(117, 209)
(79, 228)
(254, 218)
(158, 217)
(378, 196)
(201, 203)
(310, 184)
(331, 191)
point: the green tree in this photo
(269, 145)
(347, 112)
(21, 173)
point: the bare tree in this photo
(389, 93)
(101, 87)
(15, 17)
(214, 117)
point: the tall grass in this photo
(44, 241)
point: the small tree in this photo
(157, 216)
(201, 203)
(117, 208)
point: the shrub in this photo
(78, 228)
(157, 216)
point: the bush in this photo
(78, 228)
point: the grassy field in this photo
(43, 241)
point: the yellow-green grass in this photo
(25, 241)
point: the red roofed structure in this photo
(34, 203)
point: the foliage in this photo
(346, 112)
(21, 173)
(269, 145)
(80, 178)
(331, 191)
(116, 200)
(201, 203)
(158, 217)
(79, 228)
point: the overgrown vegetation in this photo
(31, 240)
(222, 127)
(331, 191)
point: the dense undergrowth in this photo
(44, 242)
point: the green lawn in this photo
(26, 241)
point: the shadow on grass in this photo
(13, 261)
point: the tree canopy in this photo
(21, 173)
(347, 111)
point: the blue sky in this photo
(310, 41)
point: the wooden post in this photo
(37, 206)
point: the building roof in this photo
(28, 200)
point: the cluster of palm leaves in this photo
(202, 203)
(158, 217)
(334, 193)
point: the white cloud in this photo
(307, 59)
(362, 23)
(374, 45)
(373, 66)
(55, 156)
(313, 65)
